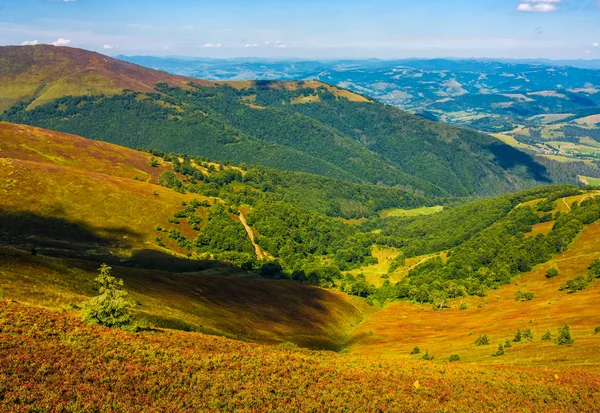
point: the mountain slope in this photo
(401, 326)
(68, 204)
(56, 360)
(302, 126)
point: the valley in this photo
(283, 245)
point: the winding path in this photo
(260, 253)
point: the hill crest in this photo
(42, 73)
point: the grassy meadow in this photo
(48, 355)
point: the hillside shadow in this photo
(58, 237)
(32, 230)
(508, 158)
(158, 260)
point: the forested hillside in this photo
(301, 126)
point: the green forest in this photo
(360, 142)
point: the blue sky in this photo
(310, 28)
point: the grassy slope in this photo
(246, 308)
(40, 145)
(54, 362)
(70, 196)
(402, 325)
(43, 73)
(120, 210)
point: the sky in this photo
(555, 29)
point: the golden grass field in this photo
(400, 326)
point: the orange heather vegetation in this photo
(54, 362)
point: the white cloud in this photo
(251, 45)
(62, 42)
(30, 43)
(538, 6)
(209, 45)
(277, 43)
(107, 46)
(596, 45)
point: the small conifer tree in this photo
(111, 307)
(500, 351)
(527, 334)
(507, 344)
(415, 350)
(547, 336)
(518, 336)
(564, 336)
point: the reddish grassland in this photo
(54, 362)
(29, 143)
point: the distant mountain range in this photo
(547, 107)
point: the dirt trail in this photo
(260, 253)
(565, 202)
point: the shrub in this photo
(153, 162)
(507, 344)
(427, 356)
(454, 357)
(552, 272)
(564, 336)
(524, 296)
(482, 340)
(500, 351)
(111, 307)
(463, 306)
(415, 350)
(518, 336)
(547, 336)
(170, 180)
(595, 268)
(575, 284)
(597, 330)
